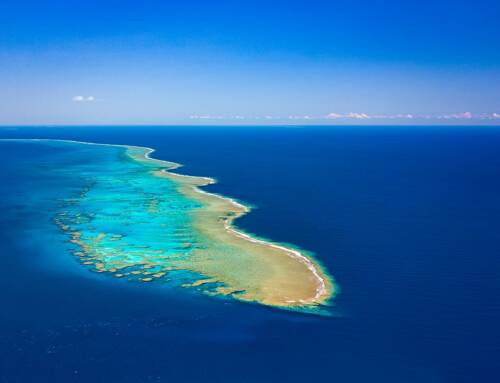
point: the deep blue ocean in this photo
(406, 219)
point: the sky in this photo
(249, 62)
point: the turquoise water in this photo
(119, 217)
(139, 221)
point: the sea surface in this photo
(406, 220)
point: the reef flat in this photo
(136, 219)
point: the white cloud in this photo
(83, 99)
(454, 116)
(297, 117)
(334, 116)
(458, 116)
(351, 116)
(358, 116)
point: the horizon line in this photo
(379, 124)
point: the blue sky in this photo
(249, 62)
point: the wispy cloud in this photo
(454, 116)
(211, 117)
(458, 116)
(357, 116)
(83, 99)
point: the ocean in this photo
(405, 219)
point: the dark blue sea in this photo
(406, 219)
